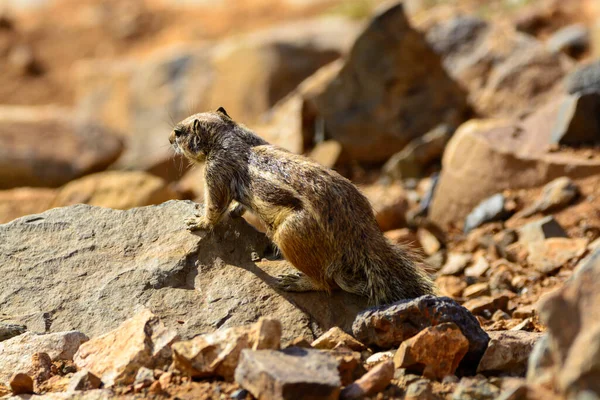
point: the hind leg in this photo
(297, 282)
(305, 246)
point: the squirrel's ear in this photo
(196, 125)
(222, 111)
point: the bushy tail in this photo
(396, 276)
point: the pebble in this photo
(21, 383)
(373, 382)
(436, 350)
(292, 373)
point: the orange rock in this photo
(371, 383)
(350, 366)
(21, 383)
(41, 368)
(451, 286)
(439, 349)
(218, 353)
(115, 357)
(336, 337)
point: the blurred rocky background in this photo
(472, 126)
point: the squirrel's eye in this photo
(178, 132)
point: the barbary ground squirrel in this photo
(319, 220)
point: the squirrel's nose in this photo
(172, 137)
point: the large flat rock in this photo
(87, 268)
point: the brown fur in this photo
(319, 220)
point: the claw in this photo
(288, 282)
(195, 223)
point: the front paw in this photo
(197, 223)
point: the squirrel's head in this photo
(195, 136)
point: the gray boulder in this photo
(391, 89)
(87, 268)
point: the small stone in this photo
(419, 390)
(56, 383)
(436, 261)
(450, 379)
(519, 282)
(552, 254)
(8, 331)
(165, 379)
(41, 368)
(479, 268)
(539, 230)
(141, 341)
(487, 304)
(350, 365)
(4, 390)
(16, 353)
(508, 352)
(156, 388)
(21, 383)
(577, 121)
(300, 341)
(556, 194)
(144, 377)
(429, 242)
(476, 290)
(451, 286)
(503, 239)
(404, 378)
(439, 349)
(378, 358)
(500, 315)
(517, 253)
(292, 373)
(525, 325)
(240, 394)
(500, 278)
(336, 337)
(83, 380)
(371, 383)
(475, 389)
(455, 264)
(217, 353)
(524, 312)
(490, 209)
(388, 326)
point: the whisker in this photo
(172, 121)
